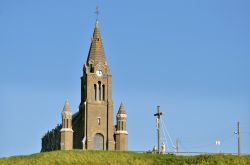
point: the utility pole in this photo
(238, 133)
(158, 125)
(177, 145)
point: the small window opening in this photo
(99, 121)
(100, 90)
(103, 92)
(91, 68)
(95, 92)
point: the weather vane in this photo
(97, 12)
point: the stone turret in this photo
(66, 131)
(121, 134)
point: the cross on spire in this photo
(97, 12)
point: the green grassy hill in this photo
(108, 157)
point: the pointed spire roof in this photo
(66, 107)
(96, 50)
(121, 109)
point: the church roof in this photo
(66, 107)
(121, 109)
(96, 50)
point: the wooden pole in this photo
(158, 130)
(158, 124)
(238, 133)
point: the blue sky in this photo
(190, 57)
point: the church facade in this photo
(92, 127)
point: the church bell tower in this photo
(96, 104)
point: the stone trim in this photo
(66, 130)
(121, 132)
(121, 115)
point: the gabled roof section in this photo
(96, 50)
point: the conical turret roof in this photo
(96, 50)
(66, 107)
(121, 109)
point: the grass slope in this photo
(109, 157)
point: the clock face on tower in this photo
(99, 73)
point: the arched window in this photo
(100, 90)
(103, 92)
(122, 125)
(95, 91)
(67, 126)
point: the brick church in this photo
(92, 127)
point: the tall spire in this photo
(96, 50)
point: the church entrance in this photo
(98, 142)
